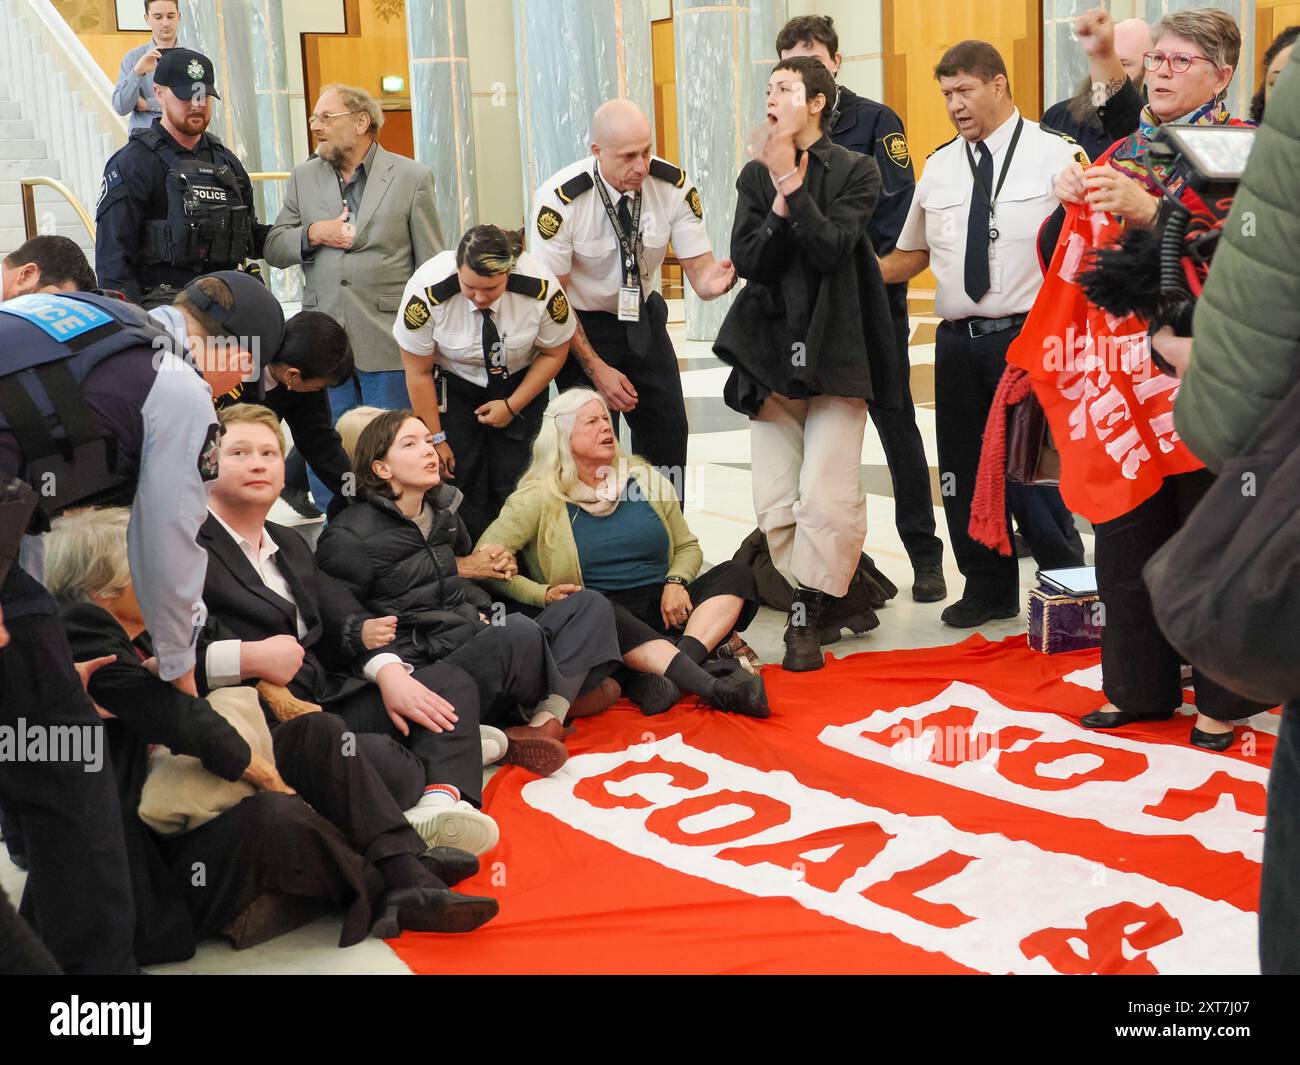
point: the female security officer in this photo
(483, 332)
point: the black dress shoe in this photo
(301, 502)
(741, 693)
(1118, 718)
(967, 613)
(929, 585)
(429, 909)
(1212, 741)
(448, 864)
(652, 693)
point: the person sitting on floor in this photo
(273, 615)
(351, 846)
(587, 516)
(403, 550)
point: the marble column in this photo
(441, 108)
(723, 52)
(572, 56)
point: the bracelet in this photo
(510, 408)
(439, 438)
(787, 177)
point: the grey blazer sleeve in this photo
(284, 243)
(168, 566)
(426, 232)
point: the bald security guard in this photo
(175, 202)
(602, 225)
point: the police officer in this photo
(602, 225)
(974, 220)
(97, 406)
(494, 325)
(175, 202)
(871, 128)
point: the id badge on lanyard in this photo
(629, 303)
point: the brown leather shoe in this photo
(539, 749)
(601, 697)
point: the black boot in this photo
(850, 612)
(803, 652)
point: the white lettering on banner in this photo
(983, 900)
(1145, 788)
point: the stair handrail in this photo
(28, 192)
(99, 89)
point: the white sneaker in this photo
(495, 744)
(460, 826)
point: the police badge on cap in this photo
(186, 72)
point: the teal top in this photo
(625, 549)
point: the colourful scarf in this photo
(1130, 155)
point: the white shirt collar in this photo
(995, 141)
(614, 194)
(261, 552)
(171, 321)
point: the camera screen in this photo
(1218, 153)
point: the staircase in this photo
(55, 121)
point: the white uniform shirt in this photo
(940, 212)
(438, 319)
(573, 233)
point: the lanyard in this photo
(627, 242)
(991, 202)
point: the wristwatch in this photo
(676, 580)
(439, 438)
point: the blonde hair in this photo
(350, 424)
(85, 554)
(355, 99)
(252, 414)
(553, 468)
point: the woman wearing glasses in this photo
(1188, 73)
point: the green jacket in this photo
(1247, 327)
(536, 528)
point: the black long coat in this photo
(813, 317)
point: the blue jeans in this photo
(381, 388)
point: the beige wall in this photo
(858, 22)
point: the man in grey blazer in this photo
(359, 220)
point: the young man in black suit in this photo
(273, 615)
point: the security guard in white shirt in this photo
(496, 324)
(974, 221)
(603, 225)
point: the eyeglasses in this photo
(320, 120)
(1179, 62)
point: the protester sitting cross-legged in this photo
(273, 615)
(587, 516)
(403, 550)
(346, 844)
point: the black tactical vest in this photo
(208, 225)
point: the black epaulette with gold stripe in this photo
(665, 171)
(444, 290)
(575, 186)
(945, 144)
(534, 288)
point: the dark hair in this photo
(817, 81)
(58, 259)
(147, 4)
(1284, 39)
(372, 445)
(809, 29)
(220, 293)
(317, 347)
(489, 250)
(972, 57)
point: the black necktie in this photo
(625, 215)
(494, 358)
(977, 228)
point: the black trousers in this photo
(489, 461)
(967, 371)
(1279, 888)
(909, 469)
(658, 422)
(1141, 671)
(78, 895)
(454, 757)
(726, 578)
(21, 953)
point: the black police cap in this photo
(186, 72)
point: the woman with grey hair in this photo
(271, 860)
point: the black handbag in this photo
(1032, 458)
(1226, 586)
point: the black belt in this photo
(982, 327)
